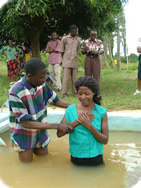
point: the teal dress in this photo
(10, 52)
(82, 143)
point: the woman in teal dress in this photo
(88, 121)
(11, 52)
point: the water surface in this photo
(122, 167)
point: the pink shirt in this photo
(54, 57)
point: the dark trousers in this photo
(93, 67)
(94, 161)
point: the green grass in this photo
(117, 87)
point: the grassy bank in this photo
(117, 87)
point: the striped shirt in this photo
(54, 57)
(28, 103)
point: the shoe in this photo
(137, 92)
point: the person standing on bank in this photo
(69, 50)
(11, 53)
(53, 48)
(138, 91)
(93, 47)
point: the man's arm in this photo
(62, 127)
(62, 47)
(101, 51)
(62, 104)
(38, 125)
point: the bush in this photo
(81, 60)
(123, 59)
(133, 58)
(44, 57)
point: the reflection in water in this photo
(122, 165)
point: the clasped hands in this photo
(94, 52)
(85, 119)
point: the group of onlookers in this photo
(65, 53)
(16, 55)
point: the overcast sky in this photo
(133, 24)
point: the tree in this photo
(33, 20)
(121, 35)
(118, 42)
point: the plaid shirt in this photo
(89, 45)
(28, 103)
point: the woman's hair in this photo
(92, 84)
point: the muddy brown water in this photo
(122, 167)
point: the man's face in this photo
(53, 36)
(38, 79)
(74, 32)
(93, 35)
(10, 43)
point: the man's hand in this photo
(65, 128)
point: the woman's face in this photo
(85, 95)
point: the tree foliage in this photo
(31, 20)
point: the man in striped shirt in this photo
(28, 112)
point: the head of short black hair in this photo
(72, 27)
(53, 32)
(93, 30)
(33, 65)
(92, 84)
(11, 39)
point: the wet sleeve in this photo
(17, 107)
